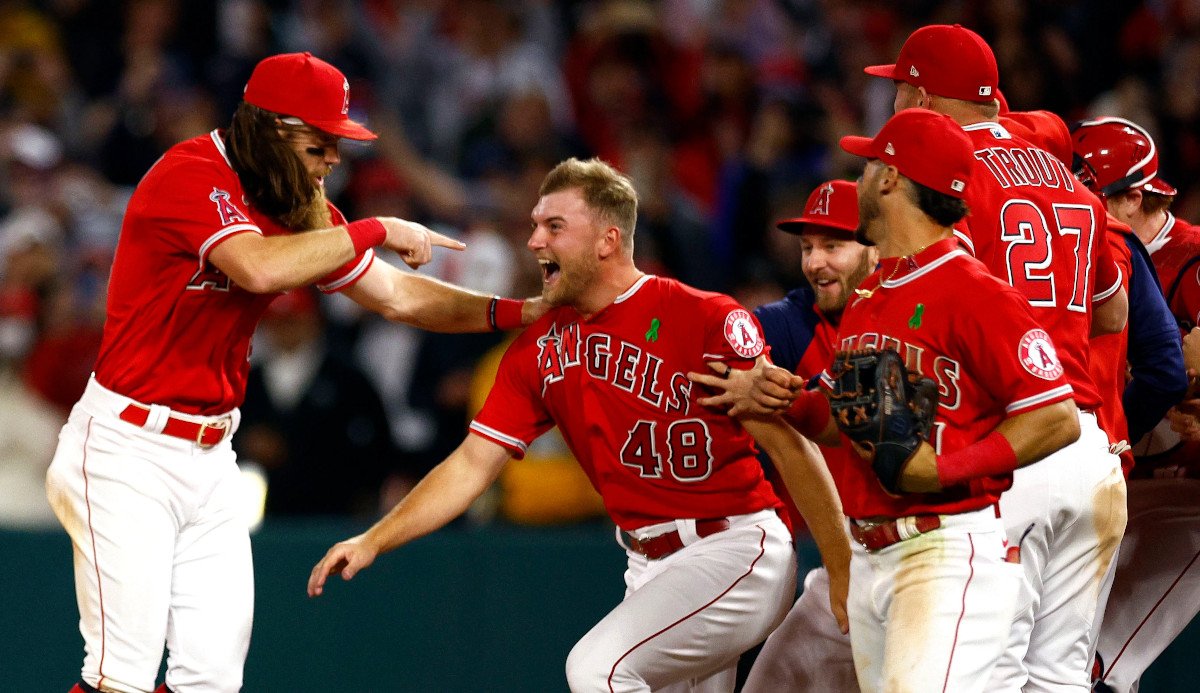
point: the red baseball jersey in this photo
(819, 353)
(1034, 225)
(1175, 252)
(178, 330)
(1109, 354)
(976, 337)
(616, 385)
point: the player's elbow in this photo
(1062, 425)
(1111, 316)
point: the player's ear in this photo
(609, 242)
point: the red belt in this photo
(205, 434)
(664, 545)
(875, 536)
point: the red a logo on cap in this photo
(821, 206)
(346, 98)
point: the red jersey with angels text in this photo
(1034, 225)
(953, 321)
(178, 330)
(1175, 252)
(616, 385)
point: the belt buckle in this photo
(868, 525)
(221, 424)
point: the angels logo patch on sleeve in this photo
(1036, 353)
(742, 334)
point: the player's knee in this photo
(583, 674)
(591, 670)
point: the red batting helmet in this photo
(1113, 155)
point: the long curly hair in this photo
(274, 178)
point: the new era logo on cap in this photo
(889, 149)
(912, 71)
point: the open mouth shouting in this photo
(550, 271)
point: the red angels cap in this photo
(950, 61)
(1113, 155)
(832, 206)
(308, 88)
(927, 147)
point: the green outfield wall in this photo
(470, 609)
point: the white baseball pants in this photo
(1156, 592)
(162, 554)
(932, 613)
(1067, 513)
(686, 618)
(806, 653)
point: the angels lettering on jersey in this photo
(627, 367)
(945, 370)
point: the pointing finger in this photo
(438, 239)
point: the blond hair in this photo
(607, 192)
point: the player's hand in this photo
(533, 309)
(1185, 419)
(414, 242)
(839, 592)
(347, 557)
(1191, 349)
(763, 390)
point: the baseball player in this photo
(807, 652)
(1036, 227)
(932, 593)
(1156, 592)
(711, 570)
(144, 479)
(1139, 370)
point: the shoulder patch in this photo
(229, 212)
(743, 335)
(1036, 353)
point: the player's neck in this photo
(611, 283)
(908, 233)
(1147, 226)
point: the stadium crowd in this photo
(725, 114)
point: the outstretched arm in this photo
(435, 305)
(811, 487)
(444, 494)
(266, 264)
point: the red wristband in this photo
(809, 413)
(366, 233)
(504, 313)
(991, 456)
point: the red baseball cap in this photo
(949, 61)
(308, 88)
(832, 206)
(927, 147)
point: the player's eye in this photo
(316, 151)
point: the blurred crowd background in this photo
(725, 113)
